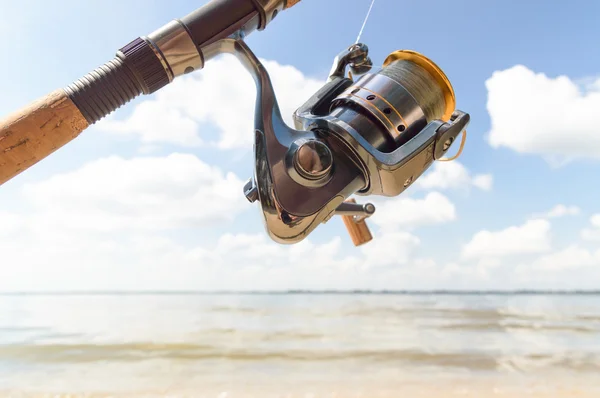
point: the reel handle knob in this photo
(357, 227)
(291, 3)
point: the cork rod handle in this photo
(35, 131)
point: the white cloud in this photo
(259, 252)
(531, 237)
(489, 262)
(148, 193)
(483, 181)
(390, 248)
(562, 210)
(464, 276)
(558, 211)
(407, 213)
(131, 258)
(223, 94)
(156, 122)
(236, 261)
(536, 114)
(453, 175)
(9, 224)
(572, 257)
(593, 233)
(573, 267)
(116, 224)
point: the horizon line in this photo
(306, 291)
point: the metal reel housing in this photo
(390, 120)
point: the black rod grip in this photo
(135, 70)
(218, 19)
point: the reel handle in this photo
(357, 227)
(291, 3)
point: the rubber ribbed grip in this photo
(104, 90)
(134, 71)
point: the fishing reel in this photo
(372, 136)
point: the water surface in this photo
(289, 345)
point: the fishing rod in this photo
(371, 135)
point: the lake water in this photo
(299, 345)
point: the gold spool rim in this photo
(434, 70)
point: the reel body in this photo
(375, 136)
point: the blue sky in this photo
(541, 157)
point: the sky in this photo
(151, 197)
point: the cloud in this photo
(562, 210)
(593, 233)
(117, 224)
(146, 193)
(532, 113)
(571, 267)
(123, 224)
(559, 211)
(572, 257)
(531, 237)
(259, 252)
(9, 224)
(468, 275)
(390, 248)
(138, 258)
(407, 213)
(153, 121)
(483, 181)
(453, 175)
(235, 262)
(222, 95)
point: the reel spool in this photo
(391, 107)
(409, 92)
(375, 136)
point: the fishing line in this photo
(460, 149)
(365, 21)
